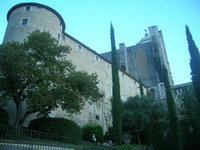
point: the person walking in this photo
(94, 138)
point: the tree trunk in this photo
(24, 118)
(138, 136)
(18, 112)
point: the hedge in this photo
(4, 117)
(90, 129)
(58, 126)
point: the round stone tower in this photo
(25, 18)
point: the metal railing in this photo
(24, 139)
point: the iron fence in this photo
(24, 139)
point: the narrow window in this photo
(24, 21)
(97, 58)
(28, 8)
(97, 117)
(59, 36)
(79, 47)
(60, 23)
(63, 37)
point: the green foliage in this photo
(109, 135)
(190, 123)
(57, 126)
(136, 113)
(90, 129)
(160, 136)
(194, 62)
(175, 135)
(139, 113)
(116, 101)
(190, 107)
(35, 73)
(4, 117)
(191, 133)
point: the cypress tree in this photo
(116, 101)
(141, 88)
(175, 136)
(194, 63)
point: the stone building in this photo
(25, 18)
(178, 90)
(141, 61)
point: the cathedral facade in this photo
(143, 61)
(136, 62)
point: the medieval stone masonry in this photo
(136, 62)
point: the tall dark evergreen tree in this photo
(116, 101)
(175, 136)
(194, 63)
(141, 88)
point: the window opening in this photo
(28, 8)
(79, 47)
(59, 36)
(97, 117)
(97, 58)
(24, 21)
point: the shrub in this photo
(58, 126)
(160, 136)
(90, 129)
(191, 133)
(4, 117)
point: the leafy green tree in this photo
(139, 112)
(190, 120)
(194, 63)
(189, 107)
(116, 101)
(175, 136)
(34, 73)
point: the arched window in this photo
(141, 63)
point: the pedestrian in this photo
(94, 138)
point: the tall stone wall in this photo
(92, 62)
